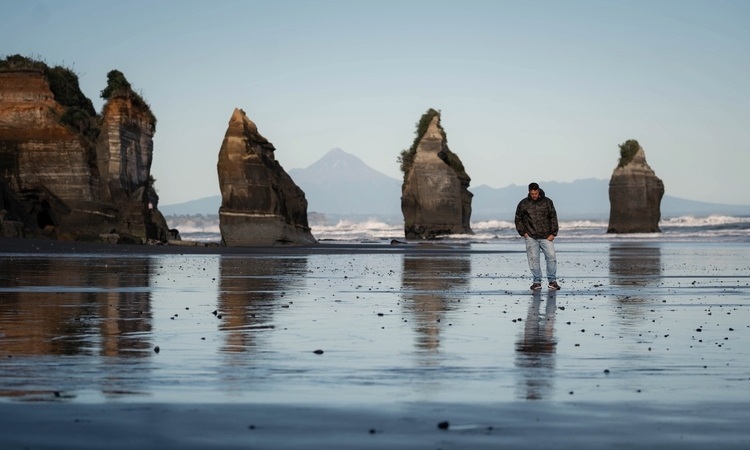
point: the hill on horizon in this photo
(341, 184)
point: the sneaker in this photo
(536, 286)
(553, 285)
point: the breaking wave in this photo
(682, 228)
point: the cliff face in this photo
(635, 194)
(435, 199)
(71, 183)
(124, 155)
(260, 204)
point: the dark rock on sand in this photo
(260, 203)
(435, 199)
(635, 193)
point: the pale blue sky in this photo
(529, 90)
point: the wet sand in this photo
(373, 346)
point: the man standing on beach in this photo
(536, 221)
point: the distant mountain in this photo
(342, 185)
(580, 199)
(205, 206)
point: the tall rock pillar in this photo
(635, 193)
(124, 156)
(435, 199)
(260, 204)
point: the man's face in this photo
(534, 194)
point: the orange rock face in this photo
(68, 183)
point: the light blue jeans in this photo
(533, 246)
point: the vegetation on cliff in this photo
(628, 151)
(79, 112)
(119, 87)
(406, 158)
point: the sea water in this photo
(659, 321)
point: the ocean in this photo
(375, 230)
(647, 342)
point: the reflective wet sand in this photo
(646, 344)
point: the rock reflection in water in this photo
(432, 285)
(75, 306)
(635, 267)
(250, 290)
(535, 350)
(634, 264)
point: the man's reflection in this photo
(432, 285)
(535, 350)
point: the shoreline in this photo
(32, 245)
(527, 425)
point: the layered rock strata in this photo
(635, 193)
(435, 199)
(67, 173)
(124, 155)
(260, 203)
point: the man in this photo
(536, 221)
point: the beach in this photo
(435, 345)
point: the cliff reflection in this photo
(636, 267)
(250, 290)
(431, 287)
(75, 306)
(535, 350)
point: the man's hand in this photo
(551, 237)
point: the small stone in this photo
(443, 425)
(318, 352)
(156, 349)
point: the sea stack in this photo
(68, 173)
(635, 193)
(435, 199)
(260, 204)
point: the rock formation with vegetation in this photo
(435, 199)
(635, 193)
(67, 172)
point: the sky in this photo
(528, 90)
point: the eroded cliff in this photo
(435, 199)
(635, 193)
(260, 203)
(67, 172)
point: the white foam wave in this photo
(579, 224)
(714, 220)
(351, 230)
(492, 225)
(683, 227)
